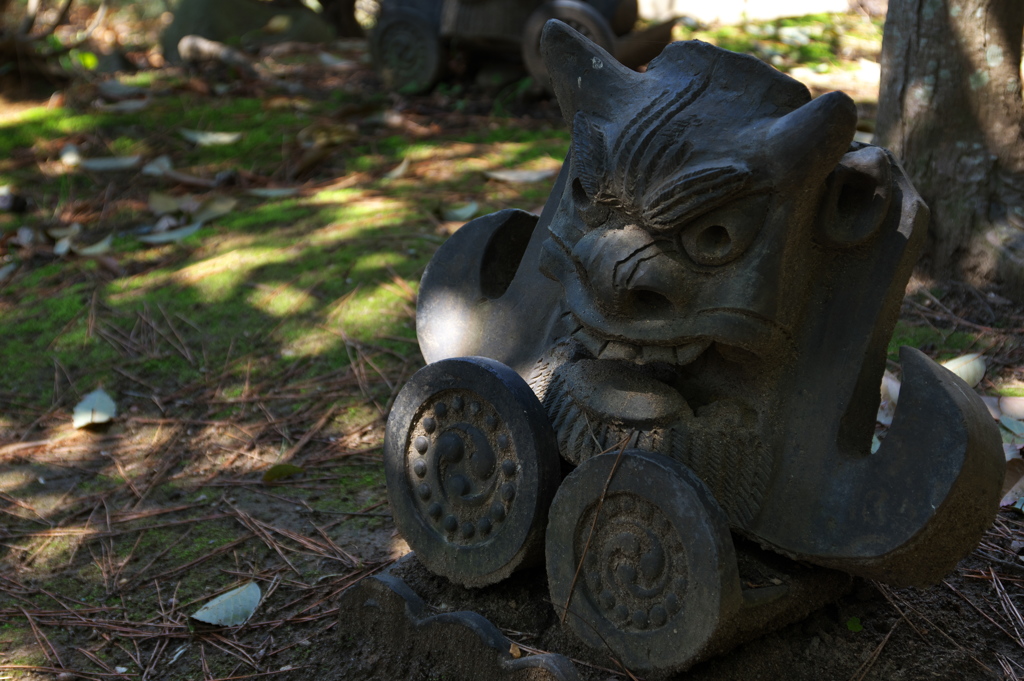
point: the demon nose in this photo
(630, 274)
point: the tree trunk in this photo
(342, 15)
(950, 107)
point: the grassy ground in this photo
(279, 332)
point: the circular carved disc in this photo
(406, 51)
(471, 465)
(659, 574)
(581, 16)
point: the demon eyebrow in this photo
(684, 197)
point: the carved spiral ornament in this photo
(471, 467)
(635, 567)
(406, 51)
(657, 570)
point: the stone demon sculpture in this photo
(696, 325)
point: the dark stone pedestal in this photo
(407, 623)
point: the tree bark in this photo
(950, 107)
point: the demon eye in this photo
(721, 236)
(593, 214)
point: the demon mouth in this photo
(600, 348)
(598, 404)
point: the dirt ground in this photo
(964, 628)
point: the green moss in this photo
(204, 538)
(944, 344)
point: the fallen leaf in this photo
(114, 89)
(25, 236)
(281, 471)
(273, 192)
(1012, 406)
(123, 106)
(970, 367)
(190, 204)
(164, 224)
(1013, 483)
(110, 164)
(399, 171)
(171, 234)
(70, 155)
(158, 167)
(214, 208)
(8, 270)
(992, 404)
(519, 176)
(160, 203)
(335, 63)
(101, 246)
(96, 407)
(515, 651)
(232, 608)
(1013, 476)
(890, 387)
(62, 232)
(1011, 451)
(1012, 429)
(210, 139)
(461, 213)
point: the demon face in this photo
(690, 203)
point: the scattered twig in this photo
(945, 635)
(51, 653)
(304, 440)
(1009, 608)
(863, 670)
(593, 525)
(984, 614)
(216, 552)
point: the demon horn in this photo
(821, 129)
(583, 75)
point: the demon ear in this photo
(857, 197)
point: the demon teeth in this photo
(641, 354)
(617, 350)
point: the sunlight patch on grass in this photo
(366, 315)
(216, 278)
(54, 552)
(33, 125)
(312, 342)
(342, 196)
(280, 300)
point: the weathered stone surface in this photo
(386, 630)
(406, 49)
(718, 245)
(393, 636)
(471, 466)
(640, 560)
(714, 281)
